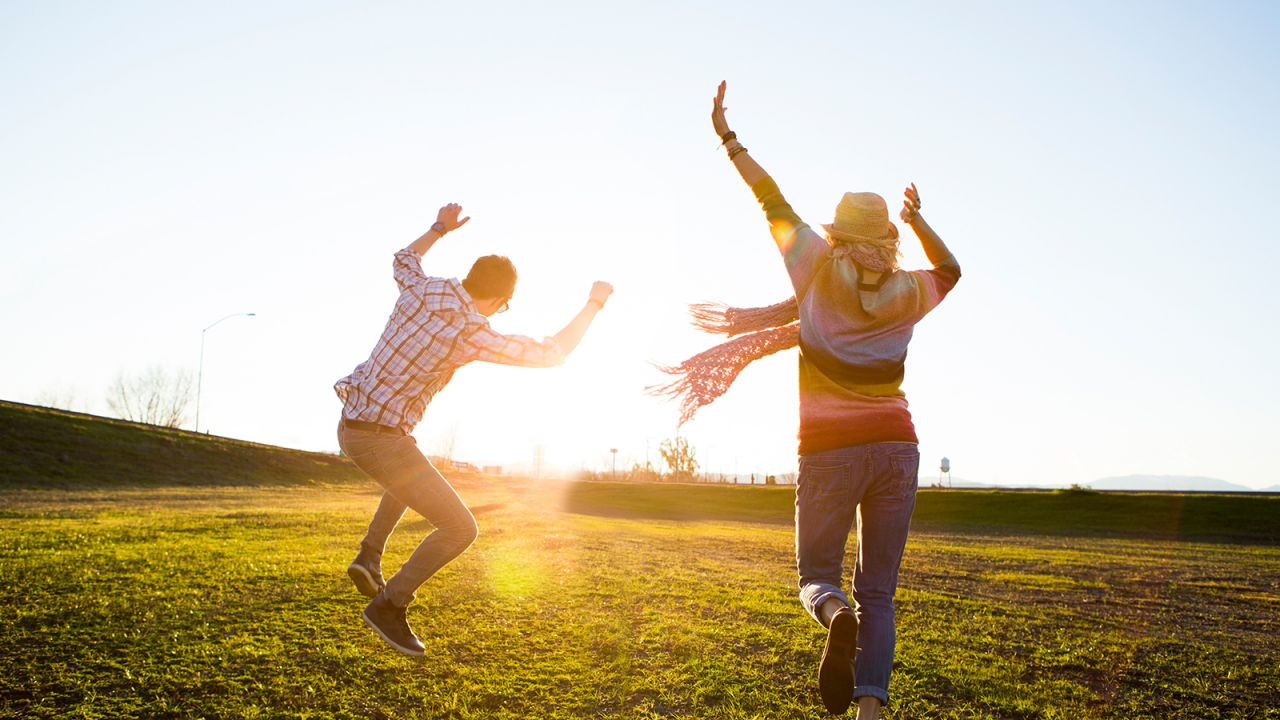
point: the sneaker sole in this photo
(835, 672)
(396, 646)
(363, 579)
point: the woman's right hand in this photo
(910, 205)
(718, 122)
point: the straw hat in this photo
(863, 218)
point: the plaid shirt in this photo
(434, 329)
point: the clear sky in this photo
(1105, 173)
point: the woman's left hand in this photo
(717, 113)
(910, 205)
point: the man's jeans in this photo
(879, 480)
(410, 480)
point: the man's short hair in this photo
(492, 276)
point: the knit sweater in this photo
(853, 333)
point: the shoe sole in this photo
(835, 672)
(396, 646)
(363, 579)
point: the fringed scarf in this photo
(764, 330)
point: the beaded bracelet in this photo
(734, 152)
(729, 135)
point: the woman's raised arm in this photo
(802, 249)
(748, 168)
(934, 248)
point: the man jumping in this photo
(437, 326)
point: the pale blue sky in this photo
(1103, 171)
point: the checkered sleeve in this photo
(407, 268)
(489, 345)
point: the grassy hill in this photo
(42, 447)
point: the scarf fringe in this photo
(764, 330)
(724, 320)
(706, 376)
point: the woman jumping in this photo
(852, 317)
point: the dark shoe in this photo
(366, 572)
(835, 672)
(387, 619)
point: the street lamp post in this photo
(200, 373)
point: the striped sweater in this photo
(853, 333)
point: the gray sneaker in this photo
(387, 619)
(366, 572)
(835, 672)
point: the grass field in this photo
(233, 602)
(151, 573)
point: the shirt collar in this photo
(468, 303)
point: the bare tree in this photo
(643, 473)
(680, 458)
(62, 398)
(447, 443)
(153, 396)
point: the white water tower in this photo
(945, 469)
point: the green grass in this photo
(233, 602)
(148, 573)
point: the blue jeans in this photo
(410, 481)
(879, 481)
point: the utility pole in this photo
(200, 372)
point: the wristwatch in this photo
(438, 227)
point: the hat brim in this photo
(837, 234)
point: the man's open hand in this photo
(448, 217)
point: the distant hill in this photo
(1167, 482)
(1140, 483)
(932, 481)
(44, 447)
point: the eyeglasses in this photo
(506, 305)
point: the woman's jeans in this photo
(879, 481)
(410, 481)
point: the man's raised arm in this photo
(571, 335)
(446, 221)
(488, 345)
(407, 266)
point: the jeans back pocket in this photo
(820, 479)
(904, 472)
